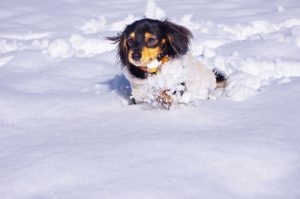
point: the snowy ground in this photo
(67, 131)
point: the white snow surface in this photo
(67, 129)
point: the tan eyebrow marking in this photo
(149, 35)
(132, 35)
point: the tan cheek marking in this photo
(163, 41)
(130, 56)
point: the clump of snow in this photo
(40, 43)
(120, 25)
(60, 48)
(206, 47)
(89, 46)
(248, 76)
(95, 25)
(8, 45)
(241, 85)
(289, 23)
(202, 26)
(153, 11)
(243, 31)
(77, 45)
(287, 68)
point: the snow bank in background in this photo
(121, 25)
(242, 32)
(60, 48)
(79, 46)
(95, 25)
(25, 36)
(249, 71)
(247, 74)
(153, 11)
(89, 46)
(98, 24)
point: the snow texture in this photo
(68, 129)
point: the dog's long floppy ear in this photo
(178, 38)
(122, 49)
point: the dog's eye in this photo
(130, 42)
(152, 42)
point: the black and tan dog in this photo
(149, 49)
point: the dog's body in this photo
(158, 65)
(184, 79)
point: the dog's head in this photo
(147, 39)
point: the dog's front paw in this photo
(165, 100)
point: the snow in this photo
(153, 11)
(60, 48)
(67, 129)
(95, 25)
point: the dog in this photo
(158, 64)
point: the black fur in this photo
(122, 50)
(177, 40)
(220, 75)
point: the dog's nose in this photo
(136, 56)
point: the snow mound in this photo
(247, 77)
(25, 36)
(153, 11)
(242, 85)
(77, 45)
(247, 74)
(120, 25)
(99, 24)
(89, 46)
(237, 52)
(95, 25)
(60, 48)
(8, 45)
(242, 32)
